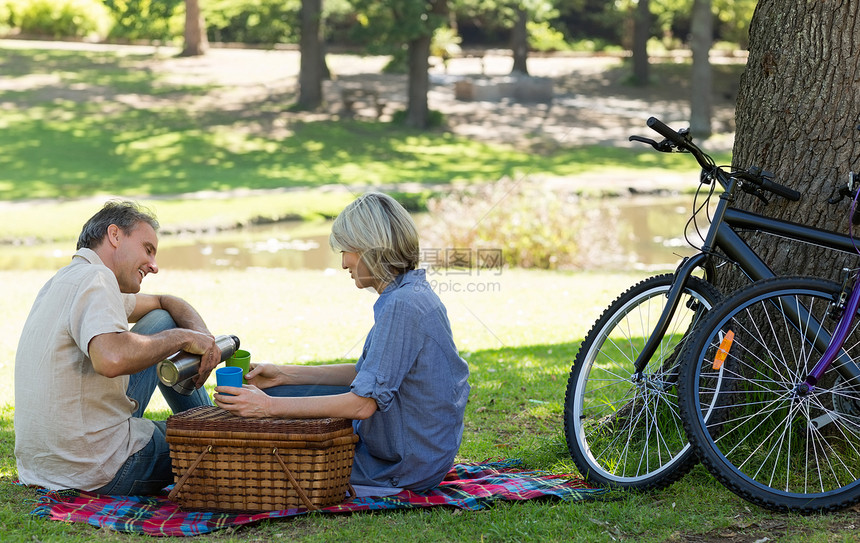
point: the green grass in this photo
(519, 341)
(75, 150)
(83, 124)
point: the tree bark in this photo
(196, 42)
(520, 43)
(417, 111)
(701, 37)
(312, 62)
(641, 34)
(418, 57)
(796, 116)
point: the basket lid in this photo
(213, 418)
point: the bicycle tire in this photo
(613, 441)
(767, 440)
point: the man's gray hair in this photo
(126, 215)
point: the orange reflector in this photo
(725, 345)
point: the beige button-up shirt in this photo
(73, 427)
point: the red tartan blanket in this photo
(467, 486)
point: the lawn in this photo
(93, 124)
(518, 330)
(79, 126)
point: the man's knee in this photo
(157, 320)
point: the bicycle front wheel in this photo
(768, 438)
(622, 432)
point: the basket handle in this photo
(179, 484)
(299, 491)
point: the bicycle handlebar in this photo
(681, 141)
(658, 126)
(781, 190)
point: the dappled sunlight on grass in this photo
(309, 316)
(111, 124)
(518, 338)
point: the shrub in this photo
(260, 22)
(147, 19)
(435, 118)
(445, 43)
(533, 225)
(543, 37)
(60, 18)
(7, 15)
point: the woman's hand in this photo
(247, 401)
(266, 375)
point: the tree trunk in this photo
(419, 82)
(641, 34)
(312, 63)
(520, 42)
(418, 57)
(196, 42)
(701, 101)
(798, 106)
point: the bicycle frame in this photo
(739, 252)
(836, 341)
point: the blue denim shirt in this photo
(411, 367)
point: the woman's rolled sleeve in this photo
(388, 356)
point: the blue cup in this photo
(230, 376)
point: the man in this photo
(83, 379)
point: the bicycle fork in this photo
(682, 274)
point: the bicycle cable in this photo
(852, 211)
(697, 208)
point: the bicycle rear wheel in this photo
(627, 434)
(767, 439)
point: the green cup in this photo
(240, 359)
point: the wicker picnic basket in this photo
(222, 462)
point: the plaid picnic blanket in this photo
(467, 486)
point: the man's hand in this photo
(204, 345)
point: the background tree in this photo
(701, 83)
(404, 28)
(312, 63)
(520, 40)
(735, 17)
(510, 17)
(596, 21)
(642, 19)
(796, 115)
(417, 110)
(196, 42)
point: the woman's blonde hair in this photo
(381, 232)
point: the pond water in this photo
(635, 233)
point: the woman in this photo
(407, 393)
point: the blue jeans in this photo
(149, 470)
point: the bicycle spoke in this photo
(772, 437)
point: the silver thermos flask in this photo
(179, 369)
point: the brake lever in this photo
(760, 195)
(664, 146)
(847, 191)
(841, 192)
(642, 139)
(755, 191)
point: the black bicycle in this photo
(770, 392)
(621, 416)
